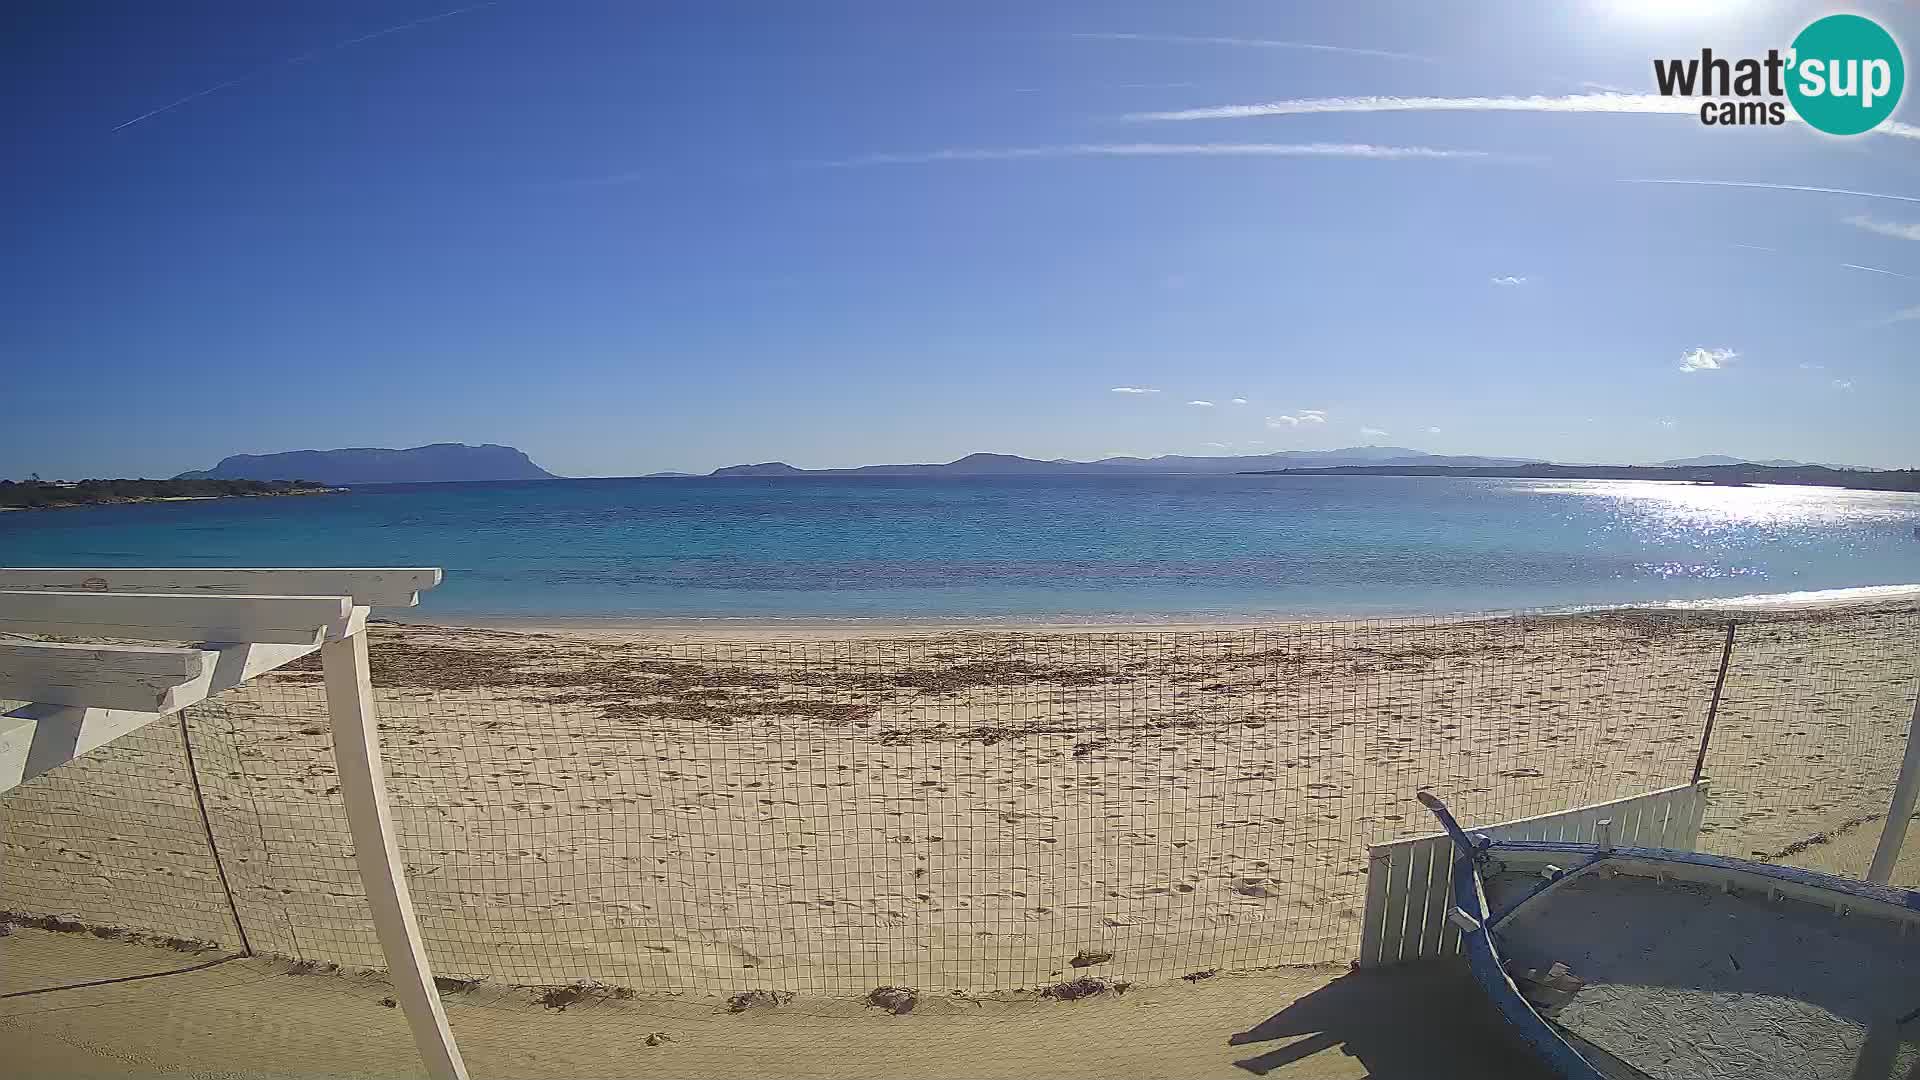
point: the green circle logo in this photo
(1846, 74)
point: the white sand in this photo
(944, 809)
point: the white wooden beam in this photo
(44, 735)
(279, 620)
(1906, 790)
(372, 587)
(103, 676)
(62, 656)
(363, 785)
(35, 738)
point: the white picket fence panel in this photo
(1410, 882)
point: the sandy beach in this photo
(827, 810)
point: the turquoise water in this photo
(1032, 547)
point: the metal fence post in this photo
(1713, 707)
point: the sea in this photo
(1038, 549)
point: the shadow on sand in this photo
(1427, 1020)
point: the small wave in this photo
(1806, 598)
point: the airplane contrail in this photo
(1606, 102)
(1565, 103)
(1778, 187)
(301, 59)
(1254, 43)
(1346, 150)
(1877, 270)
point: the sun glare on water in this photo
(1708, 506)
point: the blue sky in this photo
(638, 237)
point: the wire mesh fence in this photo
(965, 812)
(115, 838)
(1810, 731)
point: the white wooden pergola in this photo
(202, 632)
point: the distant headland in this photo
(459, 462)
(1378, 461)
(1740, 475)
(53, 495)
(1013, 465)
(432, 464)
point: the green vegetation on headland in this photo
(41, 495)
(1726, 475)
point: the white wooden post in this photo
(1900, 812)
(363, 784)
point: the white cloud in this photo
(1433, 431)
(1252, 43)
(1894, 229)
(1843, 384)
(1216, 445)
(1372, 431)
(1080, 150)
(1509, 280)
(1707, 359)
(1906, 315)
(1876, 270)
(1239, 401)
(1298, 417)
(1809, 366)
(1202, 404)
(1668, 423)
(1134, 390)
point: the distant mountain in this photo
(1715, 459)
(1352, 455)
(1772, 463)
(658, 475)
(1741, 475)
(765, 468)
(1011, 465)
(437, 463)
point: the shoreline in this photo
(138, 499)
(767, 628)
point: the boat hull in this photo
(1678, 964)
